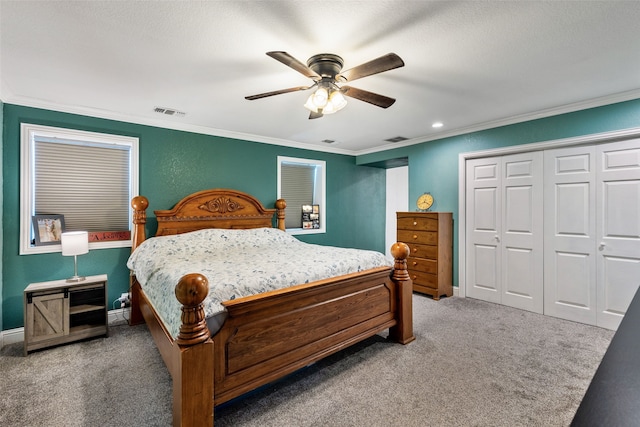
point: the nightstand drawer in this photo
(422, 264)
(425, 237)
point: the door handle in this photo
(497, 239)
(602, 246)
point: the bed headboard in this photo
(216, 208)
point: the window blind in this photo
(88, 183)
(297, 189)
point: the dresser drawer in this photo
(409, 237)
(416, 223)
(422, 264)
(424, 279)
(423, 251)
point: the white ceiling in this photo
(470, 64)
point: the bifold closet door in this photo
(592, 232)
(505, 230)
(484, 229)
(570, 234)
(618, 229)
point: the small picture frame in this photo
(310, 216)
(48, 229)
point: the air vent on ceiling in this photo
(169, 111)
(329, 141)
(396, 139)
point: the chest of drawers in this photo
(430, 238)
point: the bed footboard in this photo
(270, 335)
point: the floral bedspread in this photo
(237, 263)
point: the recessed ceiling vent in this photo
(329, 141)
(169, 111)
(396, 139)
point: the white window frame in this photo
(27, 134)
(319, 195)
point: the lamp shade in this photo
(74, 243)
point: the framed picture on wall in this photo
(48, 229)
(310, 216)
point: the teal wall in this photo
(433, 166)
(172, 165)
(175, 163)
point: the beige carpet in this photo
(473, 364)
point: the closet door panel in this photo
(618, 227)
(522, 236)
(483, 229)
(570, 234)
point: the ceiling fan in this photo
(326, 72)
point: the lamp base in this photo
(75, 279)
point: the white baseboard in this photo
(118, 316)
(11, 336)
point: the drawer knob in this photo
(415, 237)
(415, 222)
(414, 250)
(415, 263)
(413, 277)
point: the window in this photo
(88, 178)
(301, 182)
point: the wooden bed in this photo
(265, 336)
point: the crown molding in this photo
(110, 115)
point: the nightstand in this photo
(59, 312)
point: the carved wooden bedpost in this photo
(281, 204)
(193, 381)
(139, 205)
(191, 291)
(403, 331)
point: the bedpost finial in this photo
(281, 204)
(400, 252)
(140, 203)
(191, 291)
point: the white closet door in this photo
(522, 231)
(505, 230)
(618, 229)
(483, 229)
(570, 234)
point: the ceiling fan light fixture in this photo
(326, 99)
(320, 97)
(337, 101)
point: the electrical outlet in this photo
(125, 300)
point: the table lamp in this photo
(75, 243)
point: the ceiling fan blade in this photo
(317, 115)
(370, 97)
(277, 92)
(375, 66)
(292, 62)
